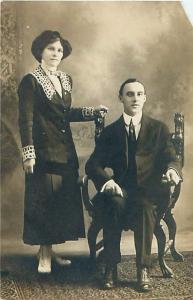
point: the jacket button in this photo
(63, 130)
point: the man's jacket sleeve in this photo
(98, 161)
(168, 152)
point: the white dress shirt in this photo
(137, 125)
(136, 122)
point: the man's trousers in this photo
(132, 211)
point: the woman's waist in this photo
(54, 167)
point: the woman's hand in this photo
(28, 165)
(101, 110)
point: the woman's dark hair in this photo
(48, 37)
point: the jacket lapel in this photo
(48, 86)
(144, 142)
(121, 139)
(144, 137)
(144, 134)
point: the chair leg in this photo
(171, 224)
(161, 240)
(93, 232)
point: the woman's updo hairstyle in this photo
(48, 37)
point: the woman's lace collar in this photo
(47, 85)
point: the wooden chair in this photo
(96, 224)
(178, 140)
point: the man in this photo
(138, 150)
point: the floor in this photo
(184, 242)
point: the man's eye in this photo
(140, 94)
(130, 94)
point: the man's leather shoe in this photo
(143, 280)
(110, 278)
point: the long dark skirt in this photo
(53, 210)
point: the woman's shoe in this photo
(44, 254)
(60, 260)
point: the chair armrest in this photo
(177, 137)
(83, 181)
(174, 192)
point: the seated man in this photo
(139, 151)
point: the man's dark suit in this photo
(142, 203)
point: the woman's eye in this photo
(60, 50)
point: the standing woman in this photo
(53, 210)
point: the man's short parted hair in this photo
(130, 80)
(48, 37)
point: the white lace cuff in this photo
(88, 112)
(28, 152)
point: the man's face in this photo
(133, 98)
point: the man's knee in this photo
(119, 203)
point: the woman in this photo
(53, 210)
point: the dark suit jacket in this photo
(45, 123)
(155, 154)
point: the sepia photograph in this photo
(96, 150)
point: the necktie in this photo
(132, 136)
(132, 143)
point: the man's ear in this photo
(120, 99)
(145, 98)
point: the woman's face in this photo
(52, 54)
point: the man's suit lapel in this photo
(121, 139)
(144, 134)
(143, 137)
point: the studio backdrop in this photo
(111, 41)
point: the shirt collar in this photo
(136, 119)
